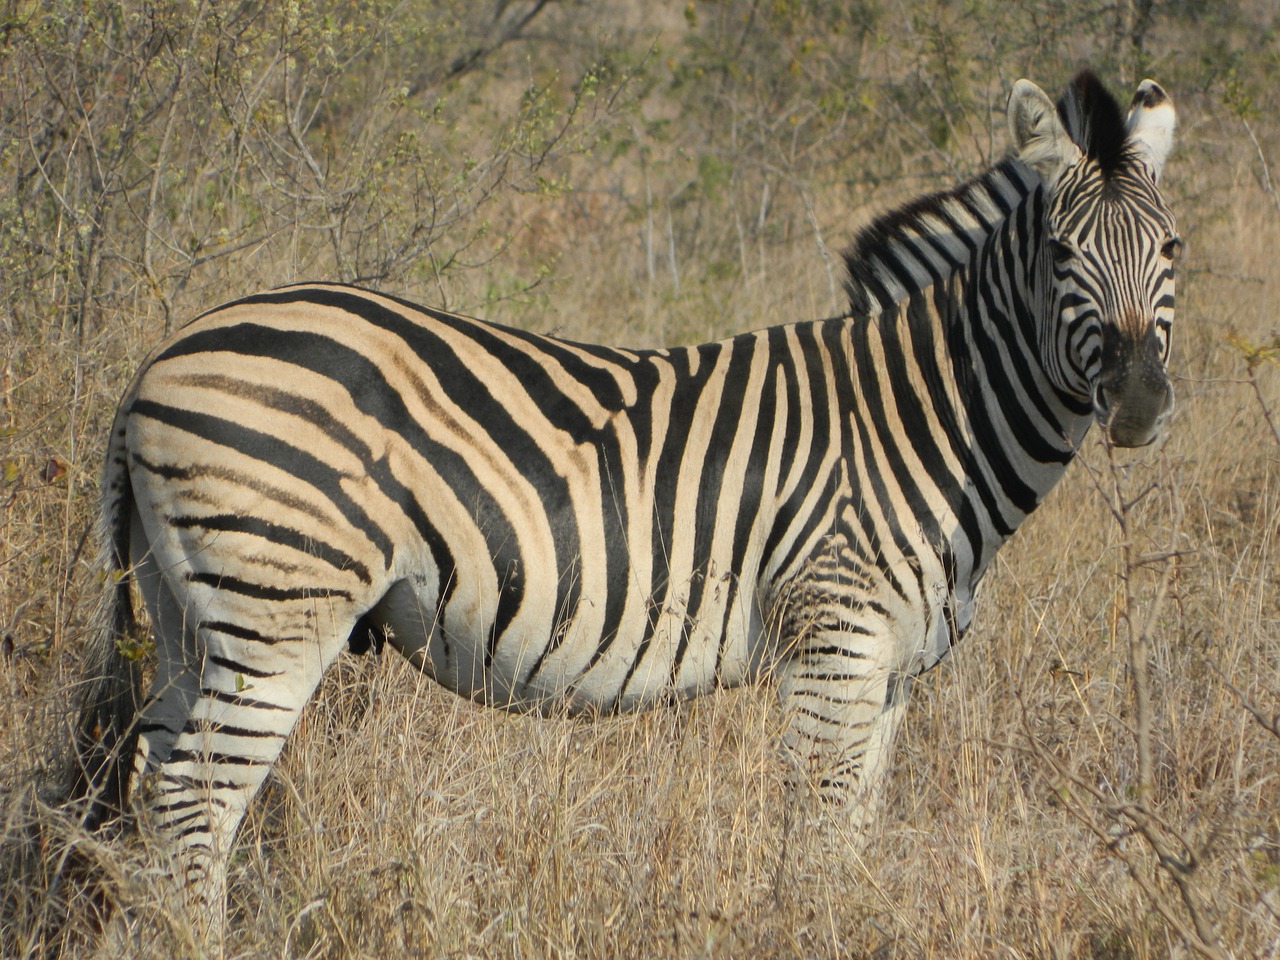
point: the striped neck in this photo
(949, 300)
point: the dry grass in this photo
(404, 821)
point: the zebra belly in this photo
(646, 660)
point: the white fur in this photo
(1151, 128)
(1042, 141)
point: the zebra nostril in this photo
(1101, 405)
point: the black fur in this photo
(367, 635)
(1095, 121)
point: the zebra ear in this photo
(1151, 124)
(1041, 140)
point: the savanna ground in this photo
(1093, 774)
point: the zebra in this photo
(540, 524)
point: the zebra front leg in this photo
(843, 702)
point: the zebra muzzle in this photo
(1133, 397)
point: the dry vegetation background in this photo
(1095, 772)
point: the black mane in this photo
(945, 228)
(1095, 121)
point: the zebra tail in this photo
(111, 688)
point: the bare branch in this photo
(508, 24)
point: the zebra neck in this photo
(948, 303)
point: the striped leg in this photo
(227, 693)
(843, 705)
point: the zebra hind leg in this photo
(228, 691)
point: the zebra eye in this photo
(1060, 251)
(1172, 249)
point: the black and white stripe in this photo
(544, 524)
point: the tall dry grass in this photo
(1019, 821)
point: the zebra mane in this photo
(923, 242)
(1095, 121)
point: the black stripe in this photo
(262, 591)
(836, 650)
(154, 726)
(827, 677)
(215, 758)
(187, 804)
(818, 346)
(279, 534)
(244, 633)
(197, 818)
(239, 700)
(201, 826)
(183, 783)
(236, 667)
(617, 523)
(198, 726)
(751, 498)
(825, 697)
(710, 484)
(797, 409)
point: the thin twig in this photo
(1270, 724)
(1262, 403)
(1267, 185)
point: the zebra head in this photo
(1106, 248)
